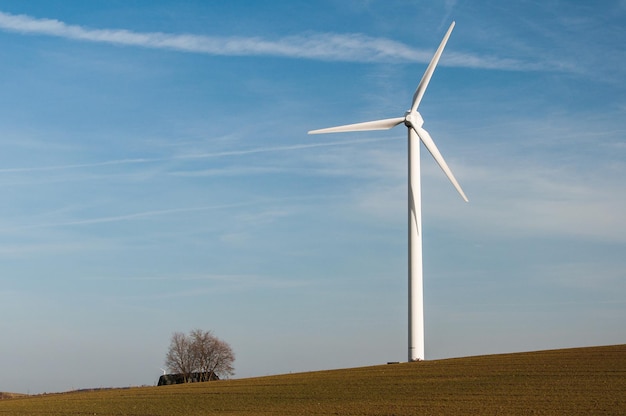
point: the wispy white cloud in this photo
(449, 6)
(533, 201)
(202, 155)
(321, 46)
(127, 217)
(583, 274)
(264, 216)
(186, 156)
(18, 250)
(229, 284)
(78, 165)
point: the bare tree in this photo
(179, 358)
(224, 359)
(200, 352)
(212, 354)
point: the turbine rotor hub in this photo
(413, 119)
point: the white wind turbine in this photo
(413, 121)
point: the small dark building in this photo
(167, 379)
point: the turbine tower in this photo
(416, 133)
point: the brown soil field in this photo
(10, 395)
(581, 381)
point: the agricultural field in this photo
(580, 381)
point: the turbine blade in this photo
(368, 125)
(421, 88)
(432, 148)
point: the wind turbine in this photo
(413, 121)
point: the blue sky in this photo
(156, 176)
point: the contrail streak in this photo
(344, 47)
(207, 155)
(350, 47)
(160, 212)
(78, 165)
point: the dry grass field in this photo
(582, 381)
